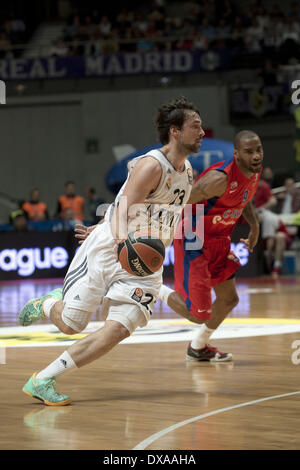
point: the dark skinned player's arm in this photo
(250, 215)
(212, 184)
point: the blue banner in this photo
(56, 225)
(133, 63)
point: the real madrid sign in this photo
(101, 65)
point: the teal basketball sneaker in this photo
(44, 390)
(33, 310)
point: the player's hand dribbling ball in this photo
(140, 254)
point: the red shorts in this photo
(197, 271)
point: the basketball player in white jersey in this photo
(162, 177)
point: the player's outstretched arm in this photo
(143, 180)
(251, 217)
(212, 184)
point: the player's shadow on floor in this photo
(131, 396)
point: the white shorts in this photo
(95, 273)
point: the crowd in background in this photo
(226, 25)
(13, 31)
(169, 25)
(71, 208)
(191, 25)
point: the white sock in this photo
(48, 304)
(202, 337)
(62, 364)
(277, 264)
(164, 293)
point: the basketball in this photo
(140, 254)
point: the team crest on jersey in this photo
(190, 175)
(245, 196)
(168, 182)
(137, 295)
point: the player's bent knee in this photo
(68, 331)
(119, 331)
(235, 300)
(130, 316)
(75, 320)
(231, 301)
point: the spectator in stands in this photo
(264, 198)
(200, 41)
(288, 201)
(252, 29)
(72, 29)
(35, 209)
(247, 16)
(70, 205)
(94, 46)
(157, 15)
(104, 27)
(273, 232)
(124, 20)
(229, 12)
(222, 29)
(207, 29)
(59, 48)
(253, 37)
(144, 44)
(268, 74)
(89, 28)
(19, 221)
(276, 13)
(92, 203)
(268, 176)
(4, 45)
(111, 45)
(191, 9)
(263, 18)
(271, 40)
(238, 35)
(291, 31)
(276, 240)
(141, 23)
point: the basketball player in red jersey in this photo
(226, 189)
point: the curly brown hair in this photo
(172, 113)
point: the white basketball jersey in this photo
(162, 209)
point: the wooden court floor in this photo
(147, 396)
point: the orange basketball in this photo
(140, 254)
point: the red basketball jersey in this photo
(222, 213)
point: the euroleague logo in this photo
(138, 294)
